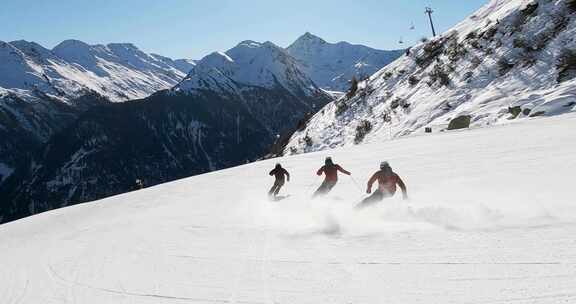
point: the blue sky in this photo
(193, 28)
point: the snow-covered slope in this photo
(332, 65)
(510, 60)
(481, 228)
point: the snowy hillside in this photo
(226, 112)
(479, 229)
(332, 65)
(510, 60)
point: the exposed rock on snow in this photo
(460, 122)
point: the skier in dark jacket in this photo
(387, 181)
(279, 173)
(330, 170)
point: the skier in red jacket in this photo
(387, 181)
(279, 173)
(330, 170)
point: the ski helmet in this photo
(328, 161)
(385, 165)
(278, 166)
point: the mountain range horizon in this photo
(305, 35)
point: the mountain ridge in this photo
(333, 65)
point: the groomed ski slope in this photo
(492, 220)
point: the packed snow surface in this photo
(492, 219)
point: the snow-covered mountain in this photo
(262, 76)
(42, 90)
(332, 65)
(513, 59)
(118, 71)
(185, 65)
(254, 64)
(227, 111)
(121, 70)
(480, 228)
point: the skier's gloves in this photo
(368, 191)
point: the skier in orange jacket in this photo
(387, 181)
(330, 170)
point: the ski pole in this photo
(314, 183)
(356, 184)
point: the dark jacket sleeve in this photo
(320, 171)
(272, 172)
(287, 174)
(342, 170)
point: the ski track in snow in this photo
(492, 220)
